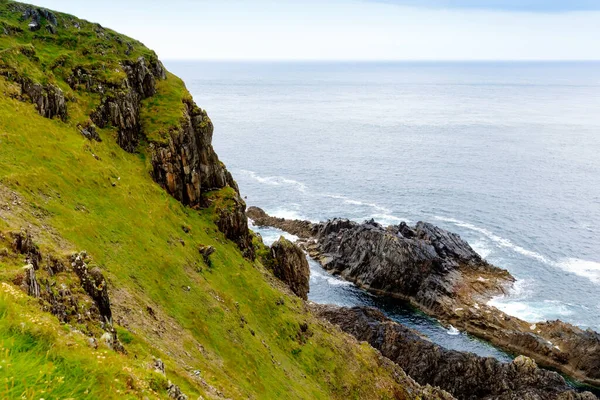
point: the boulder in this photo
(290, 266)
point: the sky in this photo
(362, 30)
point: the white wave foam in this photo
(518, 309)
(316, 275)
(453, 331)
(516, 303)
(497, 239)
(481, 248)
(355, 202)
(275, 180)
(270, 235)
(584, 268)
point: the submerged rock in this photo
(290, 266)
(465, 375)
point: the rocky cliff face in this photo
(188, 164)
(290, 265)
(464, 375)
(185, 165)
(121, 108)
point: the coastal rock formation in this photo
(232, 221)
(121, 111)
(188, 164)
(302, 229)
(425, 263)
(465, 375)
(121, 108)
(290, 265)
(440, 273)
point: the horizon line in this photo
(317, 60)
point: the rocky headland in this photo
(442, 275)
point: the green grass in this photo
(162, 113)
(41, 359)
(223, 320)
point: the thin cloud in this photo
(550, 6)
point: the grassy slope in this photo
(227, 325)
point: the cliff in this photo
(126, 266)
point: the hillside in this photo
(110, 196)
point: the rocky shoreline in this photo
(440, 274)
(465, 375)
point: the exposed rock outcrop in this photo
(30, 282)
(121, 108)
(302, 229)
(88, 130)
(440, 273)
(188, 165)
(48, 99)
(464, 375)
(231, 220)
(425, 264)
(290, 266)
(93, 282)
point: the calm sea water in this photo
(505, 154)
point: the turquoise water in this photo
(505, 154)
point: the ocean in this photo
(505, 154)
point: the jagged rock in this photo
(121, 111)
(464, 375)
(175, 392)
(89, 131)
(188, 164)
(232, 221)
(49, 100)
(424, 267)
(121, 108)
(206, 252)
(36, 15)
(440, 273)
(93, 283)
(159, 366)
(302, 229)
(51, 29)
(30, 282)
(34, 26)
(23, 244)
(139, 77)
(290, 265)
(111, 340)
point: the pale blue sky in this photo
(353, 29)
